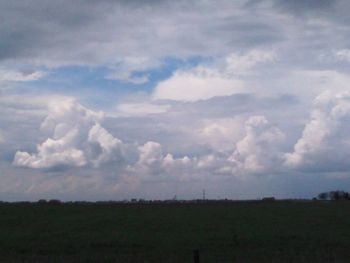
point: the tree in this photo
(323, 196)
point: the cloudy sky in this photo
(125, 99)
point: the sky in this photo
(113, 100)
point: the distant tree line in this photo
(334, 195)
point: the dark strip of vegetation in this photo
(334, 195)
(331, 195)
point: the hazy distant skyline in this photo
(108, 99)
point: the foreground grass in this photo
(231, 232)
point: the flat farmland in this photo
(281, 231)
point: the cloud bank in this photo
(124, 99)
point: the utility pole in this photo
(203, 194)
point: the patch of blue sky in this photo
(92, 87)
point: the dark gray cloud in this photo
(109, 33)
(300, 7)
(105, 31)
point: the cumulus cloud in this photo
(152, 162)
(51, 154)
(324, 144)
(258, 151)
(220, 133)
(103, 147)
(77, 139)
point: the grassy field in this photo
(223, 232)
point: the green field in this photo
(223, 232)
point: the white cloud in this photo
(152, 163)
(12, 75)
(241, 64)
(220, 133)
(258, 151)
(324, 144)
(150, 153)
(77, 139)
(66, 114)
(343, 54)
(223, 77)
(140, 109)
(103, 147)
(51, 154)
(197, 84)
(212, 164)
